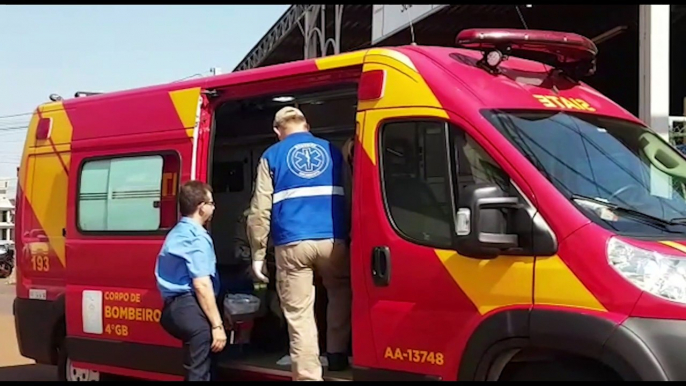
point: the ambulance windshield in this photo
(625, 176)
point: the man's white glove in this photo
(260, 271)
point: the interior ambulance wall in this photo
(233, 199)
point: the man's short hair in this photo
(192, 194)
(288, 114)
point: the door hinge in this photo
(211, 93)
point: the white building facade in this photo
(654, 30)
(7, 212)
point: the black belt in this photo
(169, 300)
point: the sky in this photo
(67, 48)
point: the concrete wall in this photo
(7, 194)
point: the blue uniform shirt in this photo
(309, 199)
(187, 253)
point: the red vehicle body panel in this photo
(437, 299)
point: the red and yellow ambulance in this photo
(509, 221)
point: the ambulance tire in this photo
(68, 373)
(571, 370)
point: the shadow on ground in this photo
(30, 372)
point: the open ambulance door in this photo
(129, 156)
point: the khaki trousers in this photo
(295, 285)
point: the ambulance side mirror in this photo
(484, 222)
(491, 222)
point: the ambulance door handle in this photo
(381, 266)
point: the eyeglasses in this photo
(210, 203)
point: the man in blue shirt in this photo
(299, 198)
(187, 279)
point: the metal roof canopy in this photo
(285, 41)
(615, 26)
(441, 27)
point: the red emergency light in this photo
(572, 53)
(44, 128)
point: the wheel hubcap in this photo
(75, 374)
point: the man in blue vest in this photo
(299, 197)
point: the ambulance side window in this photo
(416, 180)
(127, 194)
(474, 165)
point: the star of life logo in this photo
(307, 160)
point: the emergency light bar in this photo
(573, 54)
(81, 94)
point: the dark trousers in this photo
(183, 319)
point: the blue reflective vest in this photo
(309, 200)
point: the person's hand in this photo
(218, 339)
(259, 270)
